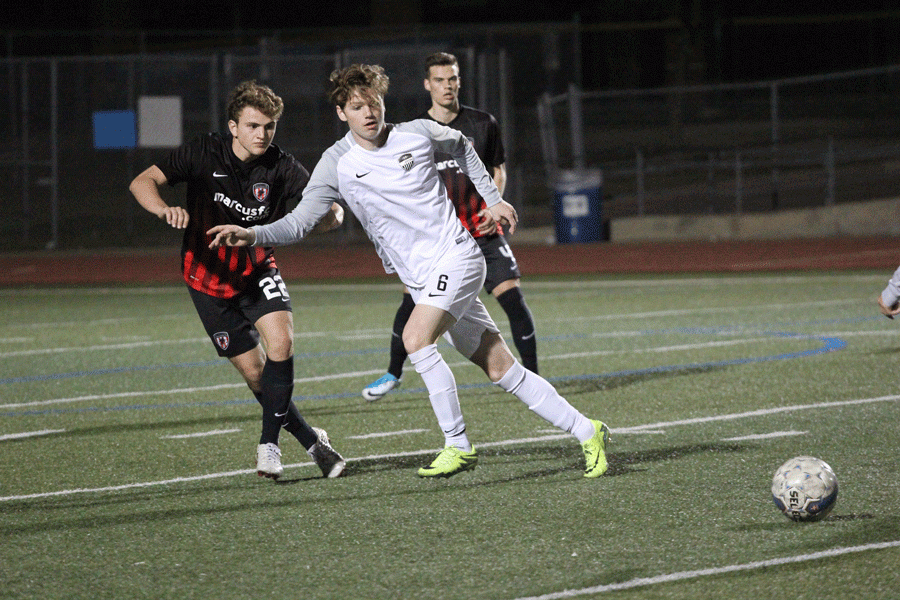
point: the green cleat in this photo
(449, 462)
(595, 451)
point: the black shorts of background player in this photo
(242, 178)
(503, 277)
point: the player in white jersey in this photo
(387, 176)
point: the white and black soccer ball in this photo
(805, 488)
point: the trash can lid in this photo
(571, 180)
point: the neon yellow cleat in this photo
(595, 451)
(449, 462)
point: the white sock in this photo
(441, 386)
(543, 399)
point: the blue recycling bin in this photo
(577, 206)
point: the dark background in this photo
(724, 41)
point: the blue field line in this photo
(92, 372)
(137, 368)
(829, 344)
(699, 330)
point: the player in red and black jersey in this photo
(503, 275)
(243, 179)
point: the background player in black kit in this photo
(442, 82)
(243, 179)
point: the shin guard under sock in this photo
(276, 389)
(398, 350)
(543, 399)
(441, 386)
(521, 322)
(295, 424)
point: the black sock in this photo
(522, 325)
(398, 350)
(277, 383)
(296, 425)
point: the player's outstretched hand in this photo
(505, 215)
(889, 311)
(231, 235)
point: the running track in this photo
(306, 261)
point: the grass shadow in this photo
(575, 386)
(568, 459)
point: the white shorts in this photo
(454, 286)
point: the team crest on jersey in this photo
(406, 161)
(222, 339)
(261, 191)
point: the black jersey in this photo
(484, 133)
(221, 190)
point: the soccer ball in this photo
(804, 489)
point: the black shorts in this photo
(501, 264)
(229, 321)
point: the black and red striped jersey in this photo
(222, 189)
(484, 133)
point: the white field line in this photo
(556, 285)
(93, 322)
(189, 390)
(685, 575)
(184, 436)
(511, 442)
(353, 374)
(146, 343)
(100, 347)
(677, 348)
(28, 434)
(619, 431)
(705, 311)
(764, 412)
(385, 434)
(367, 334)
(764, 436)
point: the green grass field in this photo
(127, 449)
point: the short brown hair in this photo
(357, 77)
(260, 97)
(439, 59)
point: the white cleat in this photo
(268, 461)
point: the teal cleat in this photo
(381, 386)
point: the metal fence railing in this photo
(768, 145)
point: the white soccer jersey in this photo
(396, 193)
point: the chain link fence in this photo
(678, 150)
(60, 191)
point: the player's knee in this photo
(413, 340)
(252, 374)
(282, 350)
